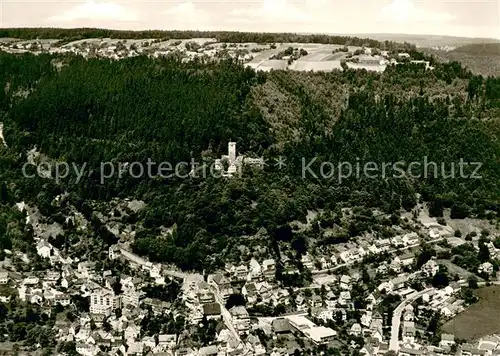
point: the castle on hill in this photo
(235, 163)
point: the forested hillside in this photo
(481, 58)
(89, 111)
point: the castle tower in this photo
(232, 152)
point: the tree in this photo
(365, 276)
(344, 65)
(459, 211)
(425, 255)
(206, 331)
(288, 51)
(484, 253)
(468, 296)
(235, 300)
(117, 287)
(433, 325)
(472, 281)
(436, 208)
(440, 280)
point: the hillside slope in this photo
(94, 111)
(480, 58)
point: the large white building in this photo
(103, 301)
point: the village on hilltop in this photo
(261, 57)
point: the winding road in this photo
(396, 317)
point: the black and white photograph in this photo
(249, 177)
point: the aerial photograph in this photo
(250, 177)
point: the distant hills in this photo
(480, 55)
(480, 58)
(429, 41)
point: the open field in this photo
(482, 318)
(320, 58)
(318, 66)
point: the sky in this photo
(472, 18)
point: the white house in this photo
(447, 340)
(44, 249)
(4, 277)
(307, 261)
(355, 329)
(345, 298)
(103, 301)
(345, 282)
(430, 268)
(486, 267)
(132, 332)
(411, 239)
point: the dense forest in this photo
(89, 111)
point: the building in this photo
(486, 267)
(241, 273)
(235, 162)
(62, 299)
(212, 311)
(399, 282)
(320, 334)
(355, 329)
(383, 244)
(44, 249)
(411, 239)
(269, 269)
(4, 277)
(206, 297)
(114, 252)
(221, 284)
(316, 301)
(447, 340)
(281, 326)
(132, 332)
(131, 297)
(103, 301)
(430, 268)
(307, 261)
(345, 282)
(167, 341)
(409, 330)
(241, 319)
(366, 59)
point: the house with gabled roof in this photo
(345, 282)
(241, 319)
(269, 269)
(212, 310)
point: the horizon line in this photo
(346, 34)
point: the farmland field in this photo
(317, 56)
(482, 318)
(273, 64)
(335, 56)
(318, 66)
